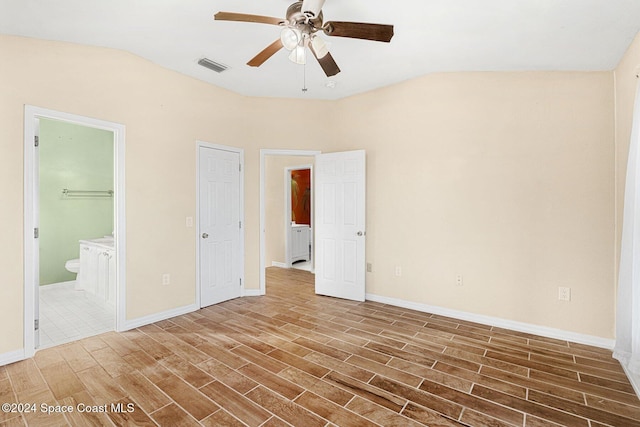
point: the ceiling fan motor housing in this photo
(297, 18)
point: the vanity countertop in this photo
(106, 242)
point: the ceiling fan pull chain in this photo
(304, 78)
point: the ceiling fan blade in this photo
(243, 17)
(328, 64)
(267, 53)
(359, 30)
(324, 58)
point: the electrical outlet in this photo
(189, 221)
(398, 271)
(369, 267)
(564, 293)
(459, 280)
(166, 279)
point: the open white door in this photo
(219, 225)
(340, 224)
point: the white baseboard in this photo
(11, 357)
(157, 317)
(633, 379)
(498, 322)
(252, 293)
(278, 264)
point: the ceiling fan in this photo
(303, 21)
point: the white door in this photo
(340, 224)
(219, 225)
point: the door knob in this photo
(360, 233)
(205, 236)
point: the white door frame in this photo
(287, 213)
(263, 153)
(240, 152)
(31, 200)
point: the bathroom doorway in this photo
(298, 214)
(74, 208)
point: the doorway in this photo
(89, 195)
(339, 231)
(298, 217)
(272, 221)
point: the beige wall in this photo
(263, 129)
(505, 178)
(626, 83)
(164, 114)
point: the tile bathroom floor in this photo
(68, 315)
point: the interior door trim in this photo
(31, 113)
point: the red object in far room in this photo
(301, 196)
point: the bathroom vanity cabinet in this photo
(97, 274)
(300, 240)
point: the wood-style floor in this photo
(294, 358)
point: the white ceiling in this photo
(430, 36)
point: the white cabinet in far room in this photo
(300, 242)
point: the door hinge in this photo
(36, 324)
(239, 167)
(239, 224)
(36, 140)
(36, 233)
(241, 282)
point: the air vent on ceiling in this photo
(212, 65)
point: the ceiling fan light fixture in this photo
(298, 55)
(290, 38)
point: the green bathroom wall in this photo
(76, 158)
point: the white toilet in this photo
(73, 265)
